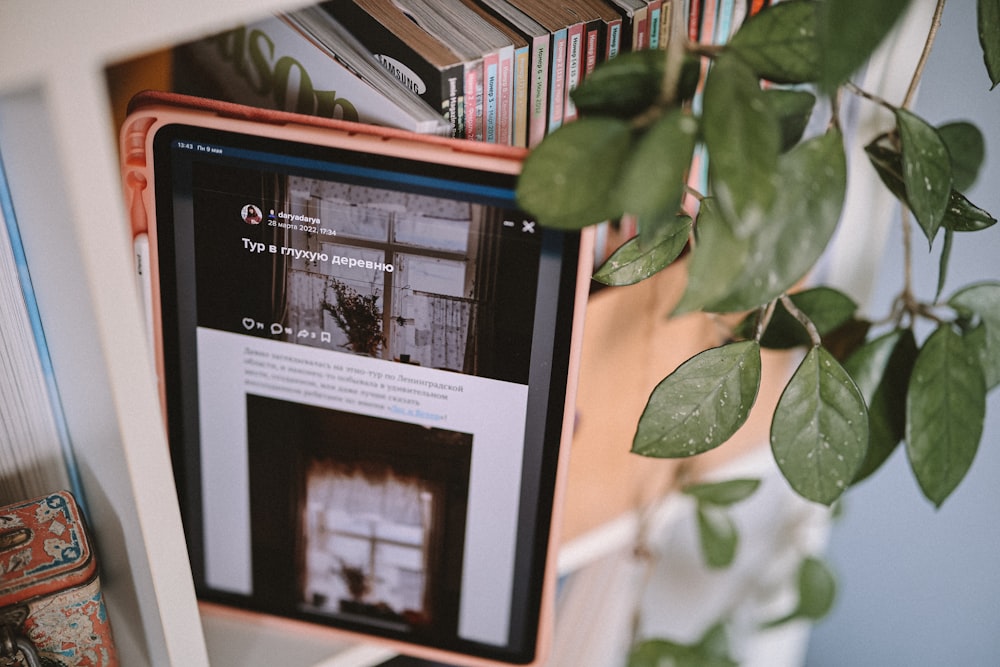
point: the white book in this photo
(304, 62)
(35, 454)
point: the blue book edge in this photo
(31, 304)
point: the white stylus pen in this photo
(140, 248)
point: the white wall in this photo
(919, 586)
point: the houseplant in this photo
(860, 394)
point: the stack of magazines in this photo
(499, 71)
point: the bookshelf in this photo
(59, 145)
(58, 137)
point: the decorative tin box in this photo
(52, 612)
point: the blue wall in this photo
(919, 586)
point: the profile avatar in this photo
(251, 215)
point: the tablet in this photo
(366, 355)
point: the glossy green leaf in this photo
(964, 216)
(888, 164)
(780, 43)
(944, 261)
(716, 260)
(653, 178)
(570, 180)
(743, 139)
(960, 215)
(967, 150)
(819, 434)
(926, 171)
(813, 178)
(641, 257)
(701, 404)
(983, 301)
(945, 408)
(717, 536)
(664, 653)
(792, 108)
(826, 307)
(881, 368)
(724, 493)
(988, 19)
(850, 31)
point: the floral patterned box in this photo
(52, 613)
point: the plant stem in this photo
(790, 306)
(869, 96)
(906, 297)
(766, 313)
(922, 63)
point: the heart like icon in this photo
(248, 323)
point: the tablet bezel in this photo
(155, 119)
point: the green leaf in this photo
(850, 32)
(945, 408)
(888, 164)
(826, 307)
(817, 593)
(817, 589)
(639, 257)
(663, 653)
(570, 180)
(629, 84)
(780, 42)
(652, 182)
(961, 215)
(881, 368)
(813, 178)
(964, 216)
(967, 150)
(983, 301)
(701, 404)
(988, 20)
(926, 171)
(724, 493)
(715, 642)
(793, 109)
(743, 139)
(717, 536)
(819, 434)
(716, 260)
(624, 86)
(949, 237)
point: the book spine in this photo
(506, 111)
(541, 56)
(491, 98)
(694, 20)
(593, 51)
(520, 105)
(655, 23)
(575, 47)
(666, 21)
(557, 83)
(614, 46)
(640, 36)
(473, 77)
(724, 22)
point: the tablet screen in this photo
(365, 373)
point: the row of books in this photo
(499, 71)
